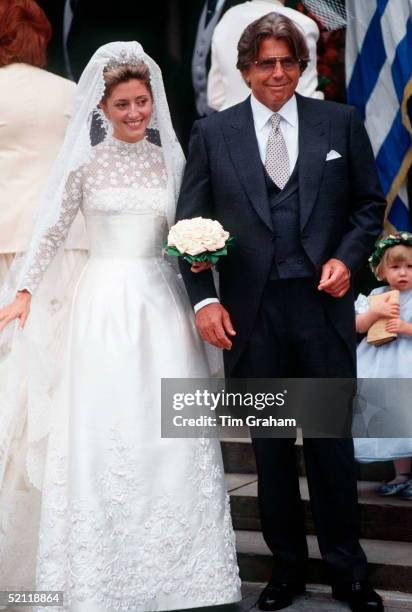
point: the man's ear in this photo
(245, 75)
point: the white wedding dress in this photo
(129, 521)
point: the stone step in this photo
(238, 458)
(390, 563)
(316, 599)
(388, 518)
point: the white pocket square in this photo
(333, 155)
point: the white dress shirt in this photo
(289, 126)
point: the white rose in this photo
(198, 235)
(194, 248)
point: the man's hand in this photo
(335, 278)
(200, 266)
(214, 325)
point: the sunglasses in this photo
(268, 64)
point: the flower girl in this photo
(390, 262)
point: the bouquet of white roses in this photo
(198, 239)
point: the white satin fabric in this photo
(131, 521)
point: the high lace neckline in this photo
(125, 145)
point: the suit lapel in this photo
(313, 147)
(244, 151)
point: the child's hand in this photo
(386, 309)
(382, 310)
(398, 326)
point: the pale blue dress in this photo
(384, 406)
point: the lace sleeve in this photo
(55, 235)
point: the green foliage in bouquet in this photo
(207, 256)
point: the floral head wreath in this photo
(381, 245)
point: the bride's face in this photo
(129, 109)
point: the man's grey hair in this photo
(272, 25)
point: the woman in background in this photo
(35, 107)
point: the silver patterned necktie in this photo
(277, 158)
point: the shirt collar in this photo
(262, 114)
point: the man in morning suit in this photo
(293, 179)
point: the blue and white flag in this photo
(379, 84)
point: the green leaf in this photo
(173, 251)
(207, 256)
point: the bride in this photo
(94, 502)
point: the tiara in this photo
(123, 58)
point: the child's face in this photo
(398, 274)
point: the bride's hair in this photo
(121, 73)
